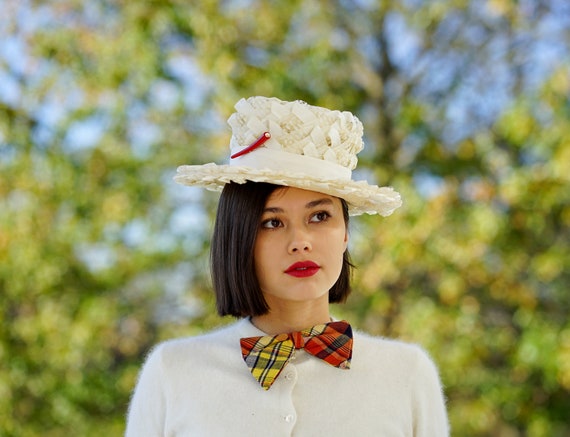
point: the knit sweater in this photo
(200, 386)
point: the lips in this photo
(302, 269)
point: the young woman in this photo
(278, 258)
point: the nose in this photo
(299, 242)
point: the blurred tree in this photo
(466, 112)
(92, 256)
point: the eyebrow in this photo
(310, 205)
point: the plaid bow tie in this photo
(267, 356)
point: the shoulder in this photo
(392, 354)
(405, 367)
(405, 371)
(214, 344)
(222, 334)
(376, 344)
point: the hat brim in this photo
(361, 197)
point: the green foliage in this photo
(102, 256)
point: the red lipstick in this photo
(302, 269)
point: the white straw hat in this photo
(297, 145)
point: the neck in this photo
(292, 316)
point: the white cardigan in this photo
(201, 386)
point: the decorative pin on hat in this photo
(296, 145)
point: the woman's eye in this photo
(271, 224)
(320, 216)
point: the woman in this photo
(279, 257)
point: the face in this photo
(299, 248)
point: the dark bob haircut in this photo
(231, 256)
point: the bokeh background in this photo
(466, 111)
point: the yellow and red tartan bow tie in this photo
(267, 356)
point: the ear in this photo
(346, 239)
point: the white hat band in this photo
(278, 160)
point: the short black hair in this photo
(232, 265)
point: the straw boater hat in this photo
(297, 145)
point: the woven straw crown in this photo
(298, 145)
(298, 128)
